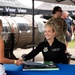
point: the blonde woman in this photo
(51, 48)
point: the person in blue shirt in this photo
(69, 31)
(51, 48)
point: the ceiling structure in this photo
(70, 2)
(50, 6)
(47, 6)
(13, 6)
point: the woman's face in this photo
(48, 33)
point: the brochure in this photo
(40, 66)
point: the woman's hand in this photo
(18, 62)
(20, 59)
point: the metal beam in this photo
(33, 25)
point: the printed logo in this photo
(45, 49)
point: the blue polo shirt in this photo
(69, 24)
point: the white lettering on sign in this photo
(21, 10)
(73, 13)
(1, 8)
(7, 9)
(10, 9)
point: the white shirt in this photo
(2, 70)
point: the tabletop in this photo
(64, 69)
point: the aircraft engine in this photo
(21, 27)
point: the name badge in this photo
(56, 49)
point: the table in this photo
(13, 67)
(65, 69)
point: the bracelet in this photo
(15, 61)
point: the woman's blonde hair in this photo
(51, 25)
(0, 25)
(0, 22)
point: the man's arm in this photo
(64, 27)
(72, 29)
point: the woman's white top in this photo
(2, 70)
